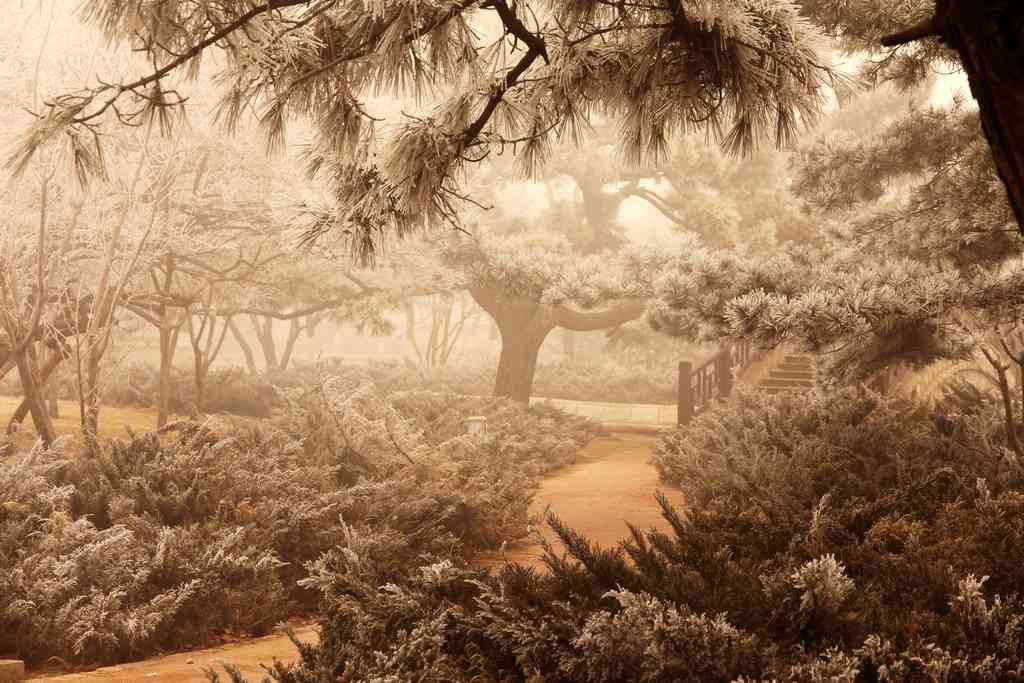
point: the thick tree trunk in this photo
(989, 37)
(518, 362)
(525, 324)
(33, 396)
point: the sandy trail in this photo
(613, 483)
(187, 667)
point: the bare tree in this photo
(206, 341)
(446, 317)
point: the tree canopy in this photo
(488, 75)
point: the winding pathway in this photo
(613, 483)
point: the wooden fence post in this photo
(723, 372)
(685, 408)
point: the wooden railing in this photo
(711, 380)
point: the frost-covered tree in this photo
(534, 283)
(982, 37)
(598, 201)
(921, 258)
(492, 75)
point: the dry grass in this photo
(112, 421)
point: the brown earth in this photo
(612, 484)
(188, 667)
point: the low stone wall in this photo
(617, 413)
(12, 671)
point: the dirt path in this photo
(187, 667)
(614, 483)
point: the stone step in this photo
(807, 375)
(797, 359)
(12, 671)
(795, 367)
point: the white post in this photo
(476, 425)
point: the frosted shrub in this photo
(823, 587)
(651, 640)
(827, 538)
(162, 543)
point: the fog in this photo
(544, 341)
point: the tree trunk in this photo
(93, 397)
(525, 324)
(265, 336)
(52, 397)
(34, 397)
(989, 37)
(294, 332)
(199, 371)
(168, 345)
(23, 409)
(410, 330)
(250, 359)
(518, 362)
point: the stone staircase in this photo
(773, 373)
(792, 373)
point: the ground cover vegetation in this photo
(236, 392)
(838, 535)
(827, 537)
(166, 541)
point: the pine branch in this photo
(925, 29)
(182, 58)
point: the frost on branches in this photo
(487, 76)
(532, 284)
(919, 259)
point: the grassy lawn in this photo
(112, 420)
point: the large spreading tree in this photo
(482, 77)
(532, 284)
(921, 259)
(493, 75)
